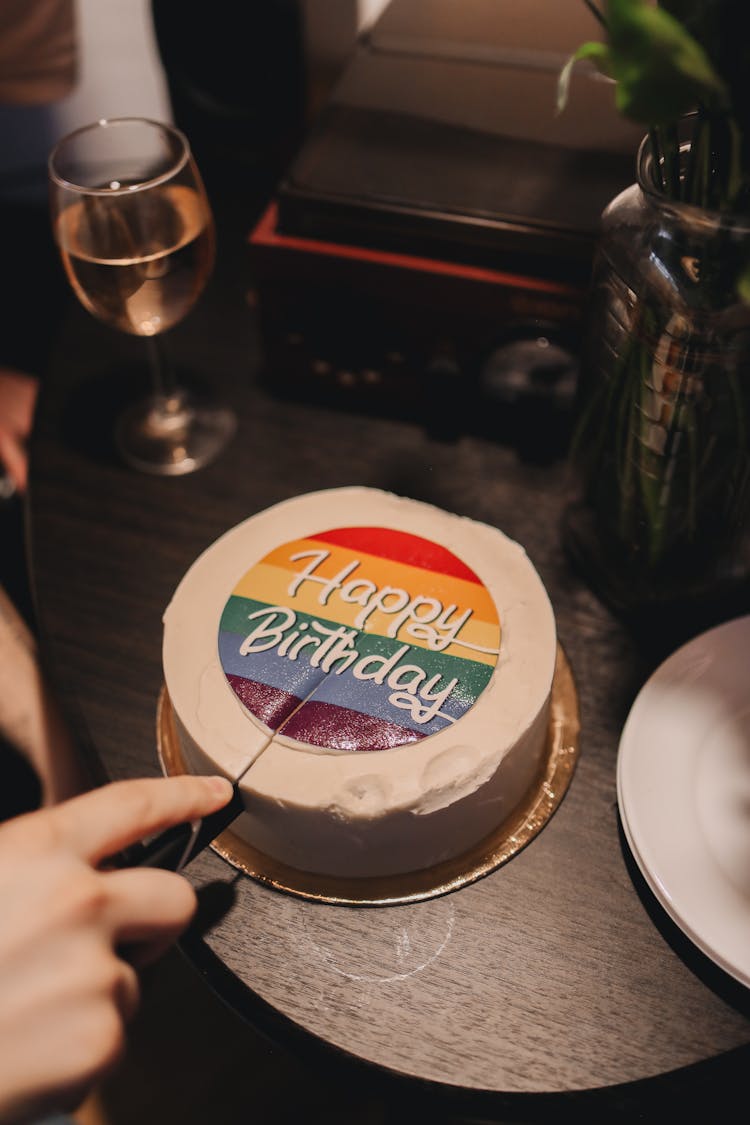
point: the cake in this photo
(379, 668)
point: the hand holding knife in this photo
(175, 847)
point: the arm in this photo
(30, 716)
(18, 395)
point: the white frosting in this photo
(368, 812)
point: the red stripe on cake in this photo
(399, 546)
(269, 704)
(338, 728)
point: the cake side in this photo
(361, 833)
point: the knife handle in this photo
(173, 848)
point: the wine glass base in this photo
(173, 435)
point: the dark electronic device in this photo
(430, 245)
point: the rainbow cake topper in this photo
(359, 638)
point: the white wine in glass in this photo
(135, 232)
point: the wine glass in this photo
(135, 232)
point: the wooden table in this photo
(556, 983)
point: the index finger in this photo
(13, 456)
(101, 822)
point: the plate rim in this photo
(633, 830)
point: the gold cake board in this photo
(490, 853)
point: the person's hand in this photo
(71, 933)
(18, 395)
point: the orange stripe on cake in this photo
(383, 572)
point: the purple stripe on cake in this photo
(269, 704)
(338, 728)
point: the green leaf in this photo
(598, 53)
(743, 285)
(660, 69)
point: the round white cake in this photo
(378, 670)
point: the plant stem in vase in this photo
(661, 448)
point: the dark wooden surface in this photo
(555, 984)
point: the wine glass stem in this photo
(165, 384)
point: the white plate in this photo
(683, 788)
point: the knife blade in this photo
(175, 847)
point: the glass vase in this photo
(661, 446)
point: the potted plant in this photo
(662, 441)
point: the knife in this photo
(175, 847)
